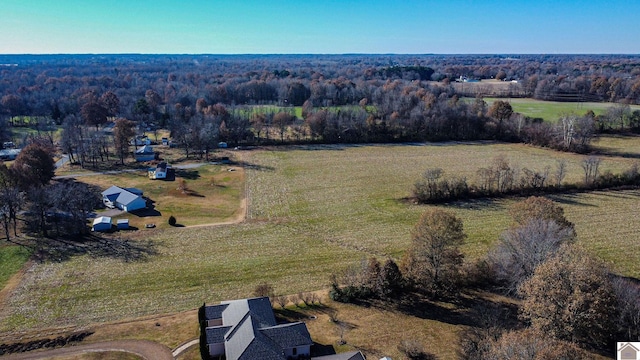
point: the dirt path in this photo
(148, 350)
(12, 283)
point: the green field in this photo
(553, 110)
(313, 211)
(12, 259)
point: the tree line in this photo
(345, 98)
(502, 178)
(45, 207)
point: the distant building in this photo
(102, 223)
(9, 154)
(128, 199)
(122, 224)
(145, 153)
(159, 172)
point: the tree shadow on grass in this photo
(96, 246)
(188, 174)
(467, 311)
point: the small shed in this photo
(123, 224)
(102, 223)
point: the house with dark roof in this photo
(127, 199)
(247, 330)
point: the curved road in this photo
(148, 350)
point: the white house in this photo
(129, 199)
(159, 172)
(102, 223)
(145, 153)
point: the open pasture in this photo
(313, 211)
(553, 110)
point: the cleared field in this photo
(553, 110)
(313, 211)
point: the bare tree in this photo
(561, 171)
(520, 250)
(591, 165)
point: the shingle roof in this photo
(214, 311)
(251, 332)
(353, 355)
(288, 336)
(215, 335)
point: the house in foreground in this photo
(127, 199)
(247, 330)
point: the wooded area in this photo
(252, 99)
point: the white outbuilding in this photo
(102, 223)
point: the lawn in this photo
(213, 196)
(313, 210)
(553, 110)
(12, 258)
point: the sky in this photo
(320, 27)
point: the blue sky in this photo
(319, 27)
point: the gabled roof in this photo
(122, 196)
(102, 220)
(250, 330)
(288, 336)
(145, 150)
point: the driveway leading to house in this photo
(148, 350)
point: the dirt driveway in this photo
(148, 350)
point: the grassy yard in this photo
(12, 259)
(213, 195)
(313, 211)
(553, 110)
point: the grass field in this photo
(553, 110)
(214, 195)
(313, 211)
(12, 258)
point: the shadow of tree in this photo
(471, 311)
(59, 249)
(187, 174)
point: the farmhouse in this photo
(145, 153)
(159, 172)
(247, 330)
(102, 223)
(128, 199)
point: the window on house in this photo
(295, 351)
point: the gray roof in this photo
(288, 336)
(215, 335)
(214, 311)
(353, 355)
(120, 195)
(250, 330)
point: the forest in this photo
(271, 99)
